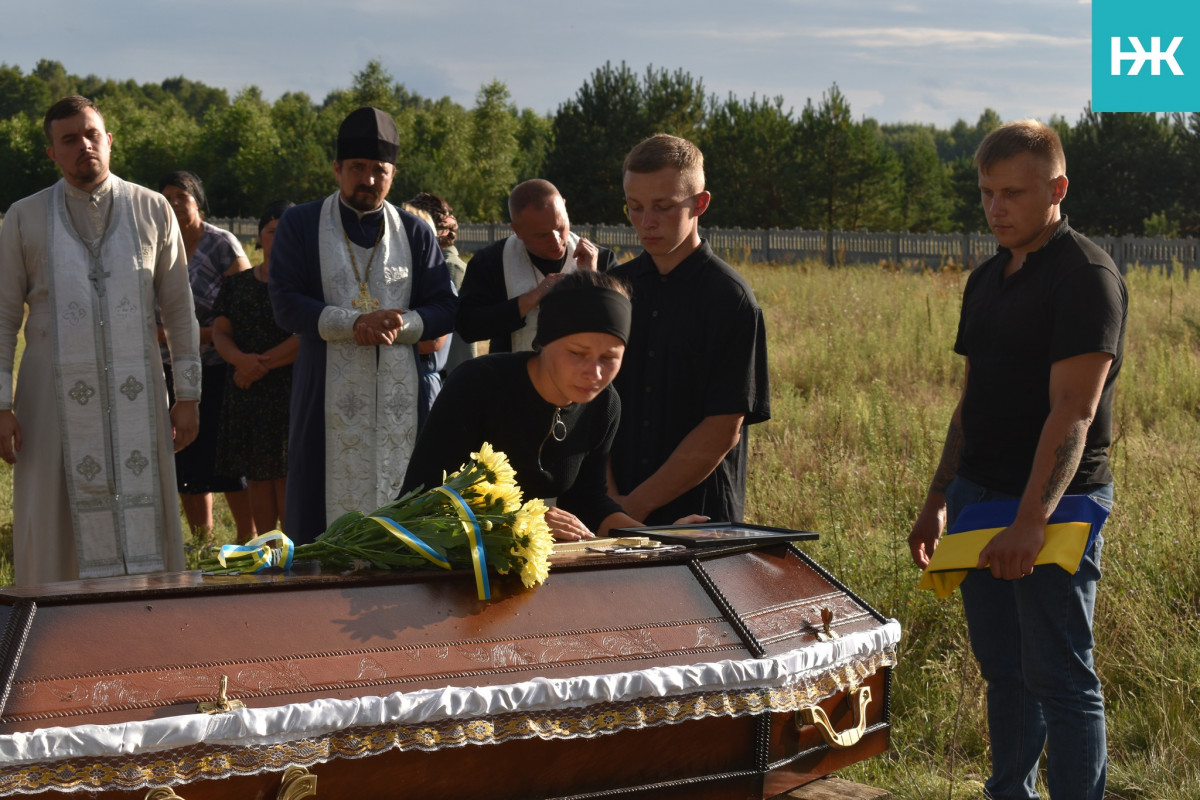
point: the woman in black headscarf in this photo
(552, 411)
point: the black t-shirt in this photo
(1066, 300)
(697, 348)
(485, 311)
(492, 399)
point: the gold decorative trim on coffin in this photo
(184, 765)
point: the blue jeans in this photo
(1033, 640)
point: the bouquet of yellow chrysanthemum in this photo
(474, 519)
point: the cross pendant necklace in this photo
(96, 274)
(364, 301)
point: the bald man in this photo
(506, 280)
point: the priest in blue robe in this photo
(361, 282)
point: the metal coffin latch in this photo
(826, 633)
(222, 704)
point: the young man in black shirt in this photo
(1042, 329)
(695, 371)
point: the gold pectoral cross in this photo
(364, 301)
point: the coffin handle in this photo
(815, 715)
(164, 793)
(297, 783)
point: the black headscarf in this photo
(583, 309)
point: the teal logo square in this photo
(1146, 55)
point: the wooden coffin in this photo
(702, 673)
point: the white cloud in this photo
(945, 37)
(914, 37)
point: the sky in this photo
(924, 61)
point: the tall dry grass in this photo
(863, 382)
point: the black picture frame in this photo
(716, 534)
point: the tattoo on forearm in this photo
(1066, 461)
(951, 452)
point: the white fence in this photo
(932, 250)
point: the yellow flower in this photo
(490, 498)
(509, 496)
(516, 536)
(500, 472)
(533, 543)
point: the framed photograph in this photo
(710, 534)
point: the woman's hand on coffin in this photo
(691, 519)
(10, 436)
(566, 527)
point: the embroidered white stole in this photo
(521, 276)
(99, 292)
(370, 392)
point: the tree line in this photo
(767, 166)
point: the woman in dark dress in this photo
(214, 255)
(254, 419)
(552, 411)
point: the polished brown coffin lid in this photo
(145, 647)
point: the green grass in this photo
(863, 382)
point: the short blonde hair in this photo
(535, 192)
(663, 150)
(422, 215)
(1025, 136)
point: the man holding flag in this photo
(1042, 329)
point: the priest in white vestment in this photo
(86, 424)
(361, 282)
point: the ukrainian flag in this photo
(1072, 529)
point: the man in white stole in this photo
(506, 281)
(361, 282)
(521, 277)
(88, 429)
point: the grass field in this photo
(863, 382)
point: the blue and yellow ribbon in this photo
(1070, 532)
(414, 542)
(259, 553)
(478, 553)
